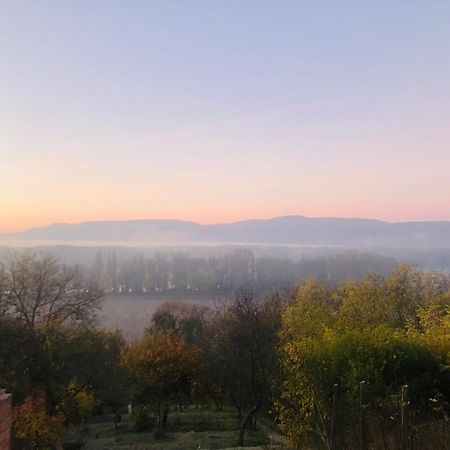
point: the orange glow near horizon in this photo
(221, 189)
(193, 183)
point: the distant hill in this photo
(295, 230)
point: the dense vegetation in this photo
(367, 364)
(355, 364)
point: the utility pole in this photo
(362, 418)
(403, 416)
(333, 427)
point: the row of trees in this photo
(364, 364)
(228, 273)
(192, 354)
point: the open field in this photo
(191, 429)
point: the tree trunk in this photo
(254, 421)
(165, 413)
(245, 424)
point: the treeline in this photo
(363, 364)
(227, 273)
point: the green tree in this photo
(379, 335)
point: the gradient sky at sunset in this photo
(216, 111)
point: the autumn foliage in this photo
(164, 371)
(34, 428)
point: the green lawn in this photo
(190, 429)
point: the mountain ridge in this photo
(290, 230)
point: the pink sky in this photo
(223, 111)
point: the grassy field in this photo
(191, 429)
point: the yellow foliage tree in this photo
(33, 428)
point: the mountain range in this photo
(287, 230)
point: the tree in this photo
(184, 319)
(63, 364)
(23, 360)
(395, 300)
(382, 359)
(33, 428)
(163, 371)
(365, 341)
(304, 323)
(84, 360)
(243, 356)
(38, 290)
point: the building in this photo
(5, 420)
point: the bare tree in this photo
(38, 290)
(3, 291)
(243, 356)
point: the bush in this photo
(143, 419)
(159, 434)
(75, 445)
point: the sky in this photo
(216, 111)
